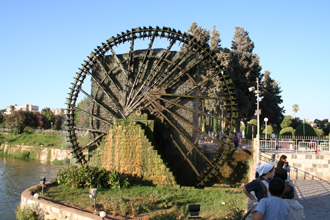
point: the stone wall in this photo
(51, 210)
(37, 152)
(311, 163)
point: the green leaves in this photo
(85, 176)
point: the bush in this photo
(28, 130)
(319, 132)
(287, 131)
(26, 213)
(61, 162)
(85, 176)
(309, 131)
(269, 130)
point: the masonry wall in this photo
(314, 164)
(37, 152)
(51, 210)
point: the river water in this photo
(16, 176)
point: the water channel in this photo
(16, 176)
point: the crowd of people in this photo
(273, 195)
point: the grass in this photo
(156, 202)
(38, 139)
(47, 140)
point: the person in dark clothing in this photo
(283, 164)
(259, 185)
(282, 161)
(236, 141)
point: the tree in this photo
(18, 120)
(199, 33)
(295, 109)
(324, 125)
(243, 67)
(286, 122)
(59, 122)
(270, 103)
(47, 112)
(2, 115)
(242, 41)
(215, 41)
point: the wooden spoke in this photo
(190, 109)
(90, 144)
(94, 116)
(118, 106)
(153, 103)
(99, 104)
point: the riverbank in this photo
(40, 153)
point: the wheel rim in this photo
(174, 89)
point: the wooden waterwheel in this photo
(181, 90)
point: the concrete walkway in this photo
(314, 195)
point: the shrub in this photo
(286, 122)
(28, 130)
(287, 131)
(269, 130)
(22, 155)
(61, 162)
(309, 131)
(26, 213)
(319, 132)
(86, 176)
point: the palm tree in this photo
(295, 109)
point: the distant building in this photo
(59, 111)
(24, 107)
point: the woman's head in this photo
(266, 170)
(283, 157)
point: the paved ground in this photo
(314, 195)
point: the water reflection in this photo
(16, 176)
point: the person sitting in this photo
(273, 207)
(259, 185)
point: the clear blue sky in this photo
(43, 43)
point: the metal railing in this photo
(294, 145)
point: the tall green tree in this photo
(270, 103)
(199, 33)
(243, 67)
(215, 41)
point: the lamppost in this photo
(258, 113)
(266, 119)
